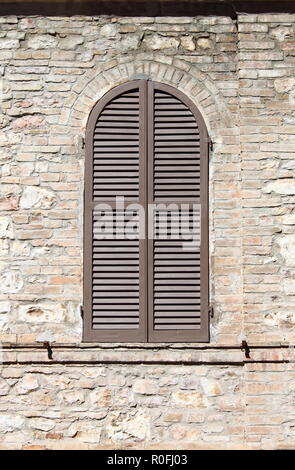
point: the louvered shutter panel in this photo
(178, 276)
(114, 285)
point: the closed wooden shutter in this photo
(178, 270)
(147, 142)
(114, 280)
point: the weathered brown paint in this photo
(180, 335)
(111, 335)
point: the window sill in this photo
(182, 354)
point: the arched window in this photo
(146, 217)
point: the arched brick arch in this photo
(171, 71)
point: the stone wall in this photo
(240, 74)
(155, 407)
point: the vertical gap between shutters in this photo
(144, 202)
(150, 183)
(147, 85)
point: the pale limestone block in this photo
(10, 423)
(37, 198)
(288, 219)
(19, 248)
(101, 397)
(6, 228)
(283, 186)
(4, 387)
(188, 399)
(280, 33)
(109, 31)
(10, 282)
(42, 41)
(5, 307)
(130, 42)
(42, 313)
(9, 44)
(72, 397)
(283, 85)
(27, 384)
(145, 387)
(4, 247)
(289, 286)
(285, 246)
(204, 43)
(156, 42)
(188, 43)
(211, 387)
(70, 42)
(42, 424)
(129, 426)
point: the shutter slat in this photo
(112, 256)
(183, 140)
(117, 125)
(105, 132)
(114, 288)
(107, 308)
(170, 295)
(190, 144)
(117, 180)
(163, 303)
(101, 137)
(177, 186)
(122, 105)
(171, 166)
(180, 194)
(109, 193)
(174, 119)
(180, 326)
(168, 113)
(176, 134)
(176, 153)
(111, 111)
(164, 174)
(111, 118)
(121, 295)
(179, 285)
(176, 262)
(114, 168)
(187, 124)
(131, 187)
(177, 257)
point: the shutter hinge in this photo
(46, 345)
(211, 311)
(82, 311)
(245, 347)
(210, 143)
